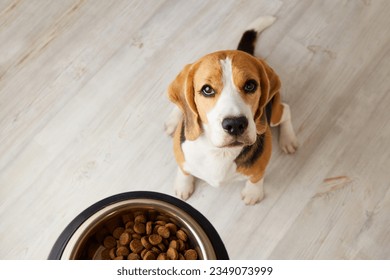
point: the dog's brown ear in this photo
(269, 86)
(181, 92)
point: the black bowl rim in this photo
(212, 234)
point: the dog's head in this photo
(224, 94)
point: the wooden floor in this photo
(83, 102)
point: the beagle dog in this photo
(226, 103)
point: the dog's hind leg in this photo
(288, 141)
(173, 120)
(281, 116)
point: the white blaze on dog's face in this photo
(227, 97)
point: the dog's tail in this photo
(249, 38)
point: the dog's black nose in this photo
(235, 126)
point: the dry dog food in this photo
(143, 235)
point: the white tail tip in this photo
(261, 23)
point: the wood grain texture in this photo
(83, 101)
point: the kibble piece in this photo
(155, 239)
(140, 219)
(181, 257)
(162, 247)
(181, 235)
(119, 258)
(175, 245)
(125, 238)
(145, 242)
(122, 251)
(162, 256)
(155, 229)
(166, 242)
(161, 223)
(144, 251)
(156, 250)
(182, 245)
(129, 225)
(136, 236)
(163, 232)
(191, 254)
(130, 230)
(133, 256)
(117, 232)
(149, 256)
(149, 228)
(112, 254)
(172, 228)
(136, 246)
(139, 228)
(109, 242)
(172, 254)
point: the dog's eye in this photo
(250, 86)
(207, 91)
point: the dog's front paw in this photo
(288, 141)
(184, 192)
(184, 185)
(253, 193)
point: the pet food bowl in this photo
(73, 242)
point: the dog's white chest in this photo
(216, 166)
